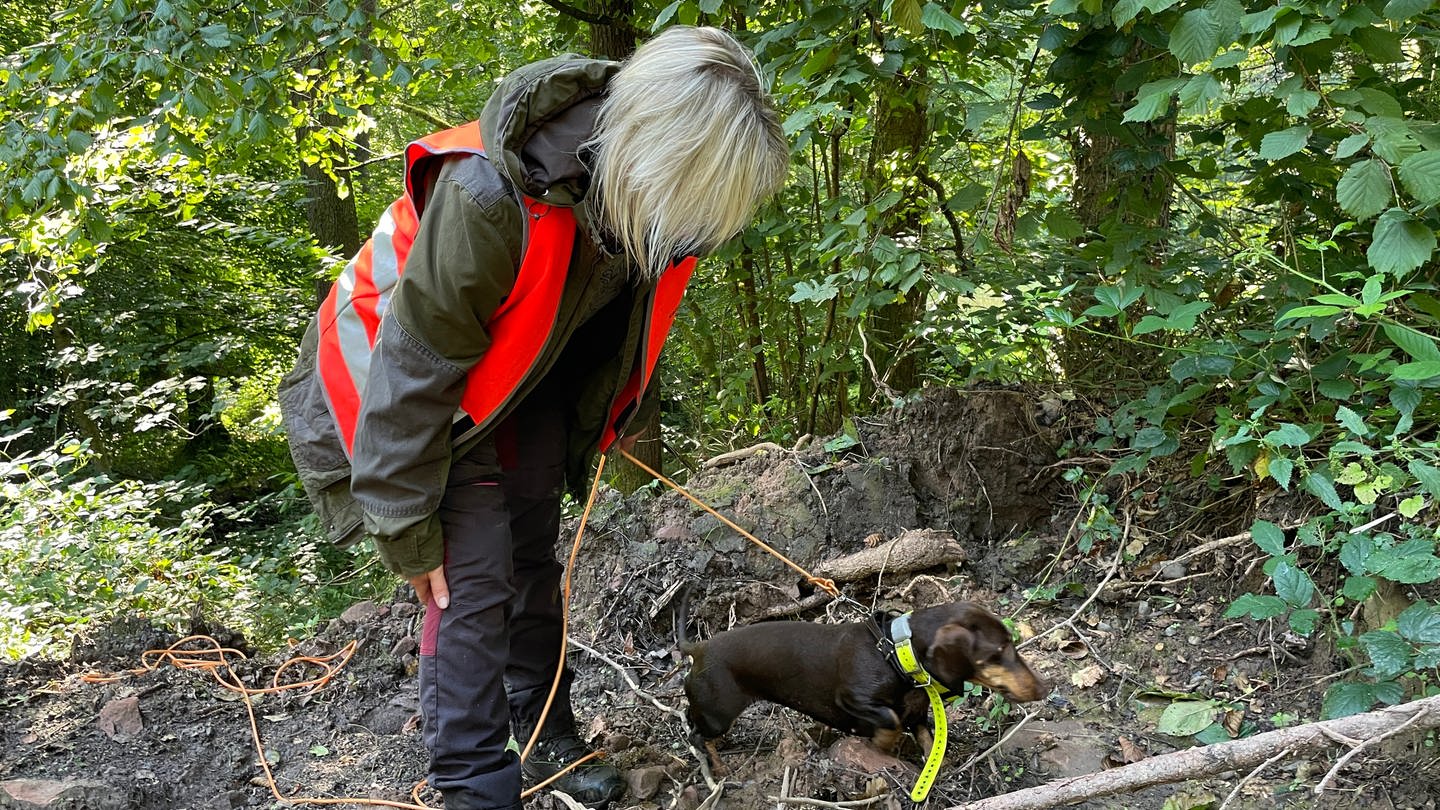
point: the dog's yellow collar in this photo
(905, 654)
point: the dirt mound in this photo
(968, 478)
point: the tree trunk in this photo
(901, 133)
(754, 334)
(332, 218)
(1111, 194)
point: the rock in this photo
(71, 794)
(360, 612)
(120, 719)
(853, 752)
(644, 783)
(1173, 570)
(1061, 748)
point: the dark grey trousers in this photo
(489, 658)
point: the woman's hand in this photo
(432, 584)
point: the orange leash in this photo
(826, 585)
(216, 660)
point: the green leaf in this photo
(1149, 323)
(1407, 564)
(1420, 174)
(1352, 421)
(1148, 437)
(1186, 717)
(1389, 653)
(1256, 606)
(1345, 699)
(1230, 59)
(665, 15)
(1302, 102)
(1281, 469)
(1317, 484)
(1304, 621)
(906, 15)
(1152, 100)
(936, 18)
(1364, 190)
(1411, 506)
(1418, 345)
(1382, 47)
(1416, 371)
(1268, 537)
(1428, 476)
(1351, 145)
(1124, 11)
(1312, 311)
(1195, 37)
(216, 36)
(1401, 243)
(1420, 623)
(1292, 584)
(1288, 435)
(1359, 588)
(1399, 10)
(1199, 92)
(1283, 144)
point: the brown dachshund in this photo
(845, 676)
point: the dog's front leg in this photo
(926, 738)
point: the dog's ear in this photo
(951, 655)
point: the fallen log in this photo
(1357, 731)
(913, 550)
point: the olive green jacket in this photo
(462, 265)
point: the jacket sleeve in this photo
(460, 268)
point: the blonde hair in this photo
(687, 145)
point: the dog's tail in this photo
(682, 618)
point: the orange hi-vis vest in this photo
(350, 315)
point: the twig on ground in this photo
(1317, 681)
(784, 789)
(629, 681)
(1209, 760)
(814, 600)
(713, 800)
(1258, 768)
(1114, 566)
(809, 479)
(988, 751)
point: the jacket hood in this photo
(534, 123)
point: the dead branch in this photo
(913, 550)
(1209, 760)
(726, 459)
(814, 600)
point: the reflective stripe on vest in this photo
(350, 315)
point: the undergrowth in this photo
(79, 550)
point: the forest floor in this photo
(980, 466)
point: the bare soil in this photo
(981, 465)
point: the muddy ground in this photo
(981, 467)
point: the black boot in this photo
(594, 784)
